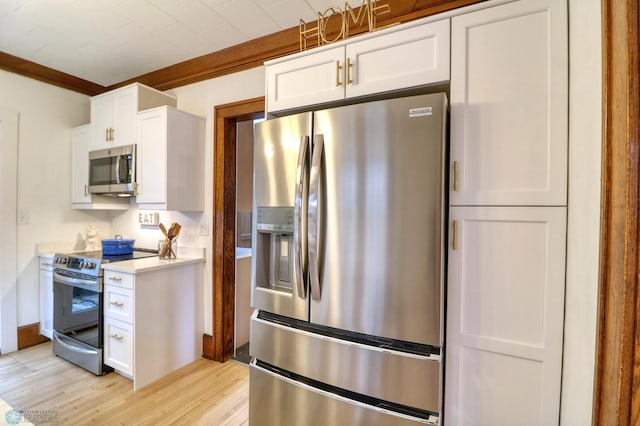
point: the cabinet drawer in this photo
(118, 345)
(118, 279)
(118, 303)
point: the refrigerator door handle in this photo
(300, 258)
(312, 225)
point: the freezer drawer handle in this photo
(312, 225)
(299, 208)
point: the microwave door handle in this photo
(118, 169)
(312, 225)
(299, 209)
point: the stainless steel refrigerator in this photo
(348, 265)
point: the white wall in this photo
(200, 99)
(47, 114)
(585, 140)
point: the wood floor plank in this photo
(202, 393)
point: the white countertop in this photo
(146, 264)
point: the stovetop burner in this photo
(89, 262)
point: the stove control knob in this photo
(90, 265)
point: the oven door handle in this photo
(72, 345)
(92, 285)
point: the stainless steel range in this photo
(78, 306)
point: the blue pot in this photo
(117, 246)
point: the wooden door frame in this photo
(225, 118)
(617, 375)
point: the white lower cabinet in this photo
(152, 320)
(506, 276)
(118, 345)
(46, 296)
(119, 321)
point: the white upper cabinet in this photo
(80, 143)
(509, 105)
(402, 59)
(307, 80)
(113, 114)
(376, 63)
(170, 162)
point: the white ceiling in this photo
(109, 41)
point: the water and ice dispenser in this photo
(274, 265)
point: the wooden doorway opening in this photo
(225, 118)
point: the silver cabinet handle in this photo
(117, 336)
(117, 303)
(299, 245)
(114, 278)
(312, 225)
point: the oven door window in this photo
(77, 313)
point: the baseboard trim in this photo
(207, 346)
(29, 335)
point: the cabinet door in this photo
(80, 143)
(413, 57)
(308, 80)
(118, 345)
(152, 157)
(125, 108)
(102, 121)
(505, 315)
(509, 107)
(46, 301)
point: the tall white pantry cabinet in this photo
(507, 217)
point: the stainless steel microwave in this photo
(112, 171)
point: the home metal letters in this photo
(347, 16)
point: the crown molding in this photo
(240, 57)
(39, 72)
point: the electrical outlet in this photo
(22, 217)
(204, 228)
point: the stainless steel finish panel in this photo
(278, 401)
(277, 146)
(82, 355)
(389, 375)
(381, 225)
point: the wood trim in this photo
(617, 376)
(30, 69)
(230, 60)
(255, 52)
(224, 219)
(29, 335)
(207, 346)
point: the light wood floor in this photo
(201, 393)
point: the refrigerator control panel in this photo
(274, 219)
